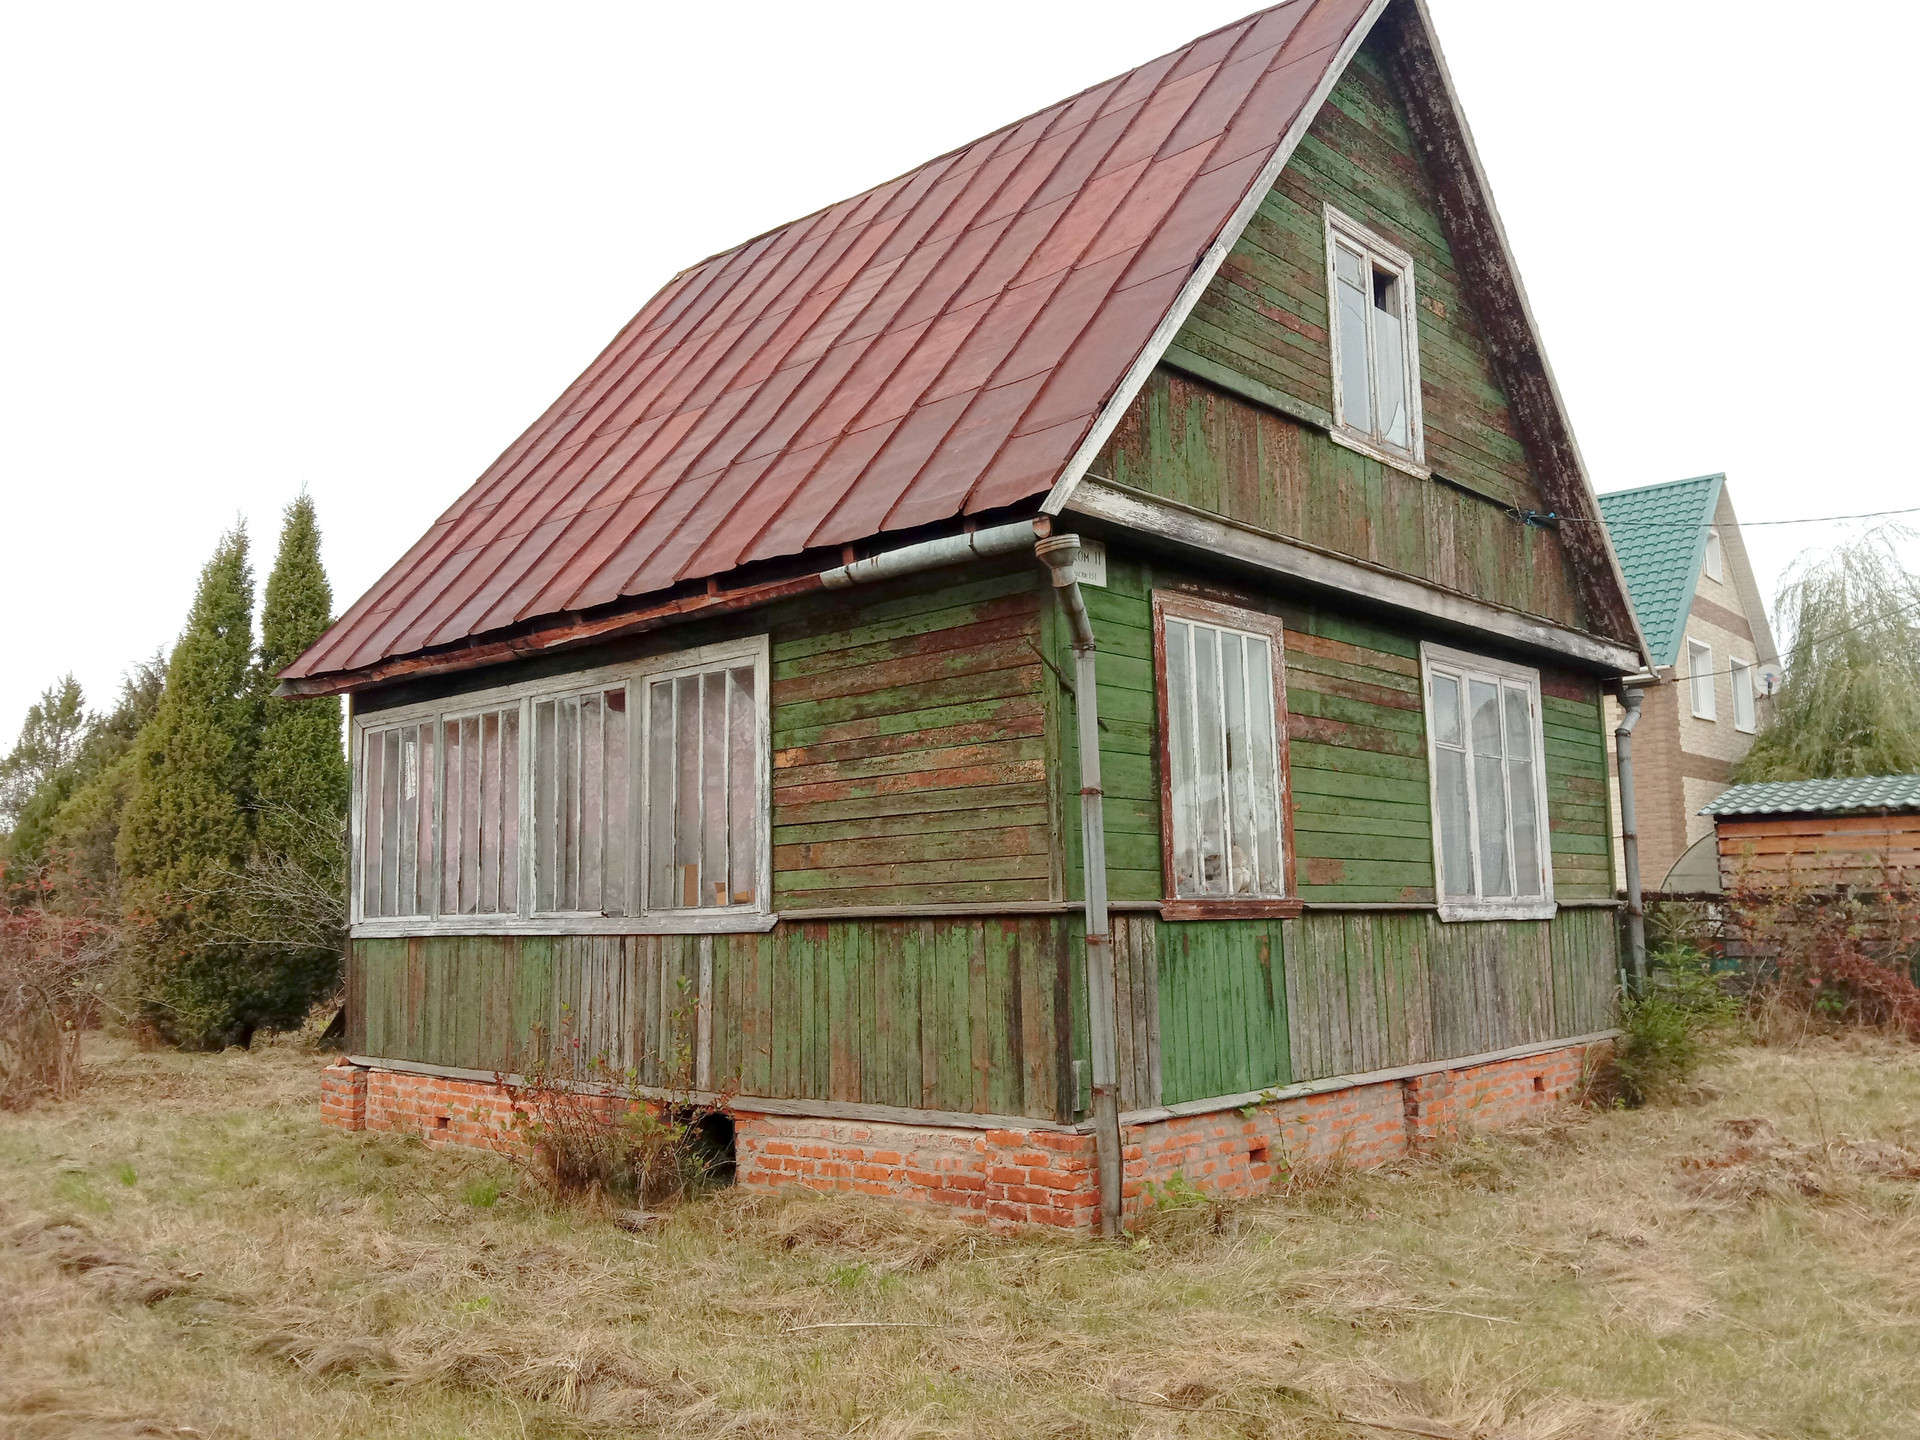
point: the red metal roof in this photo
(937, 346)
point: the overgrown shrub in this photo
(591, 1130)
(51, 968)
(1843, 955)
(1671, 1029)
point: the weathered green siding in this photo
(1357, 746)
(909, 744)
(971, 1015)
(955, 1014)
(1263, 321)
(1247, 1005)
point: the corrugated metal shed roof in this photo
(1660, 534)
(934, 347)
(1788, 797)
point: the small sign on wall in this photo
(1090, 567)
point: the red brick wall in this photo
(1009, 1178)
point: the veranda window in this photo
(1485, 754)
(1223, 772)
(607, 801)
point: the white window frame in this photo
(1386, 256)
(636, 675)
(1698, 670)
(1502, 907)
(1716, 570)
(1741, 674)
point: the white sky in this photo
(358, 247)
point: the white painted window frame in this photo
(1387, 256)
(1465, 663)
(635, 675)
(1740, 672)
(1702, 671)
(1715, 558)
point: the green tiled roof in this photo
(1660, 534)
(1788, 797)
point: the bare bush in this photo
(1843, 955)
(590, 1129)
(52, 969)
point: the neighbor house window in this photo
(1700, 679)
(1485, 755)
(1713, 554)
(1742, 676)
(1376, 365)
(626, 798)
(1225, 834)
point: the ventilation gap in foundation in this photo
(1257, 1153)
(440, 1123)
(713, 1142)
(1539, 1084)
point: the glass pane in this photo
(420, 887)
(743, 780)
(1446, 711)
(686, 835)
(1209, 763)
(1522, 793)
(593, 782)
(1489, 789)
(510, 861)
(372, 826)
(713, 788)
(450, 818)
(1181, 782)
(1241, 856)
(1390, 359)
(662, 793)
(489, 895)
(1266, 766)
(613, 863)
(470, 815)
(1742, 676)
(407, 828)
(1455, 821)
(546, 803)
(1356, 395)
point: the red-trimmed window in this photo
(1226, 830)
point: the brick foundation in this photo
(1015, 1177)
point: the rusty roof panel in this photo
(939, 345)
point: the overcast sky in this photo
(358, 248)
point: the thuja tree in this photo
(63, 836)
(49, 738)
(185, 835)
(296, 882)
(1851, 702)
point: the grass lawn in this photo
(184, 1251)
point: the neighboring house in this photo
(737, 706)
(1701, 612)
(1819, 833)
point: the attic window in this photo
(1376, 363)
(1713, 555)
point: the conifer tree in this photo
(185, 833)
(300, 780)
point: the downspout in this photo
(1058, 555)
(1632, 693)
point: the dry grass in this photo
(184, 1252)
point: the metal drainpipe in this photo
(1632, 693)
(1058, 555)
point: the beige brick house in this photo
(1700, 609)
